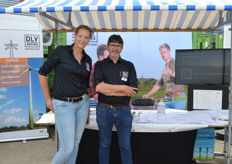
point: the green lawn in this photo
(159, 94)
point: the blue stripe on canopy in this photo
(84, 8)
(2, 10)
(228, 7)
(50, 9)
(34, 9)
(67, 9)
(172, 7)
(102, 8)
(155, 7)
(211, 7)
(119, 8)
(17, 10)
(137, 7)
(190, 7)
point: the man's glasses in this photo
(115, 45)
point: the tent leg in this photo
(225, 140)
(230, 109)
(56, 44)
(57, 34)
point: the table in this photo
(147, 148)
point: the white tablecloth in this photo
(172, 121)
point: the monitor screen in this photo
(203, 97)
(203, 66)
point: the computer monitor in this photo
(203, 97)
(202, 67)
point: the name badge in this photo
(87, 65)
(124, 75)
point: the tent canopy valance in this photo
(128, 15)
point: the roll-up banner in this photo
(21, 98)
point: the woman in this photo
(69, 101)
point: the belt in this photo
(110, 106)
(175, 94)
(71, 99)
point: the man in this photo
(102, 53)
(115, 81)
(168, 80)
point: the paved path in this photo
(31, 152)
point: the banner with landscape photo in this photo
(142, 48)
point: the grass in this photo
(159, 94)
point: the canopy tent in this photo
(128, 15)
(131, 15)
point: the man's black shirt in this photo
(71, 78)
(121, 73)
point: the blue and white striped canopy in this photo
(129, 15)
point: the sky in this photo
(14, 101)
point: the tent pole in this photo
(68, 23)
(230, 107)
(56, 34)
(56, 44)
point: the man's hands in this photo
(152, 91)
(116, 90)
(146, 96)
(168, 72)
(129, 91)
